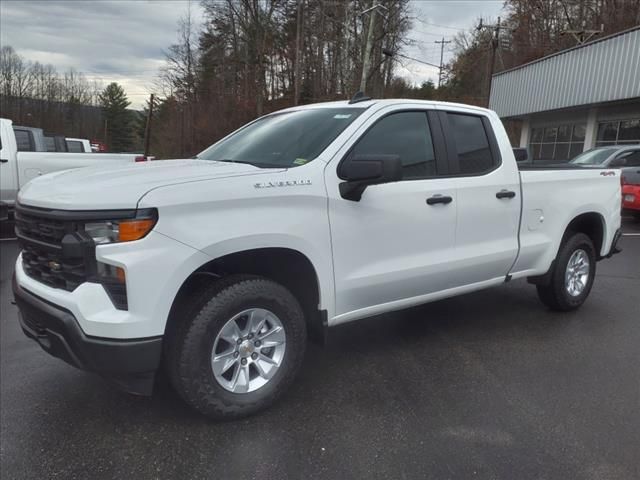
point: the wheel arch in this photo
(287, 266)
(592, 224)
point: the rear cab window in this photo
(74, 146)
(24, 140)
(50, 143)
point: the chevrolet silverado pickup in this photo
(23, 156)
(218, 269)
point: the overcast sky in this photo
(124, 40)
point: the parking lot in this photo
(488, 385)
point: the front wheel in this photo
(573, 275)
(239, 348)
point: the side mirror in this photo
(521, 154)
(360, 171)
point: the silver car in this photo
(614, 156)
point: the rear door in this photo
(488, 193)
(393, 245)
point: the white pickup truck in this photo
(21, 160)
(218, 268)
(78, 145)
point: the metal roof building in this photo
(576, 99)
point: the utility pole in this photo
(581, 35)
(495, 41)
(366, 60)
(442, 43)
(147, 131)
(296, 79)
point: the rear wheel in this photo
(239, 348)
(573, 275)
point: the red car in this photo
(631, 191)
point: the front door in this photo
(392, 245)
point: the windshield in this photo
(283, 140)
(593, 157)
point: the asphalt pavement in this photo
(487, 385)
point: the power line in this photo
(441, 26)
(422, 32)
(391, 54)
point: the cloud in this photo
(121, 41)
(435, 20)
(125, 40)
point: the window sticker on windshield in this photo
(342, 116)
(300, 161)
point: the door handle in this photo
(4, 160)
(505, 194)
(439, 199)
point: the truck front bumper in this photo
(129, 364)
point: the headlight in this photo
(122, 230)
(103, 232)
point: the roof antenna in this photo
(359, 97)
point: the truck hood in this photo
(121, 186)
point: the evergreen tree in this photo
(119, 120)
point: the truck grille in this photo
(41, 229)
(42, 254)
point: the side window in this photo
(633, 160)
(407, 135)
(472, 143)
(23, 140)
(74, 146)
(620, 160)
(50, 143)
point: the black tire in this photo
(188, 355)
(555, 295)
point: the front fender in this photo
(319, 260)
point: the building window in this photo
(559, 143)
(618, 132)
